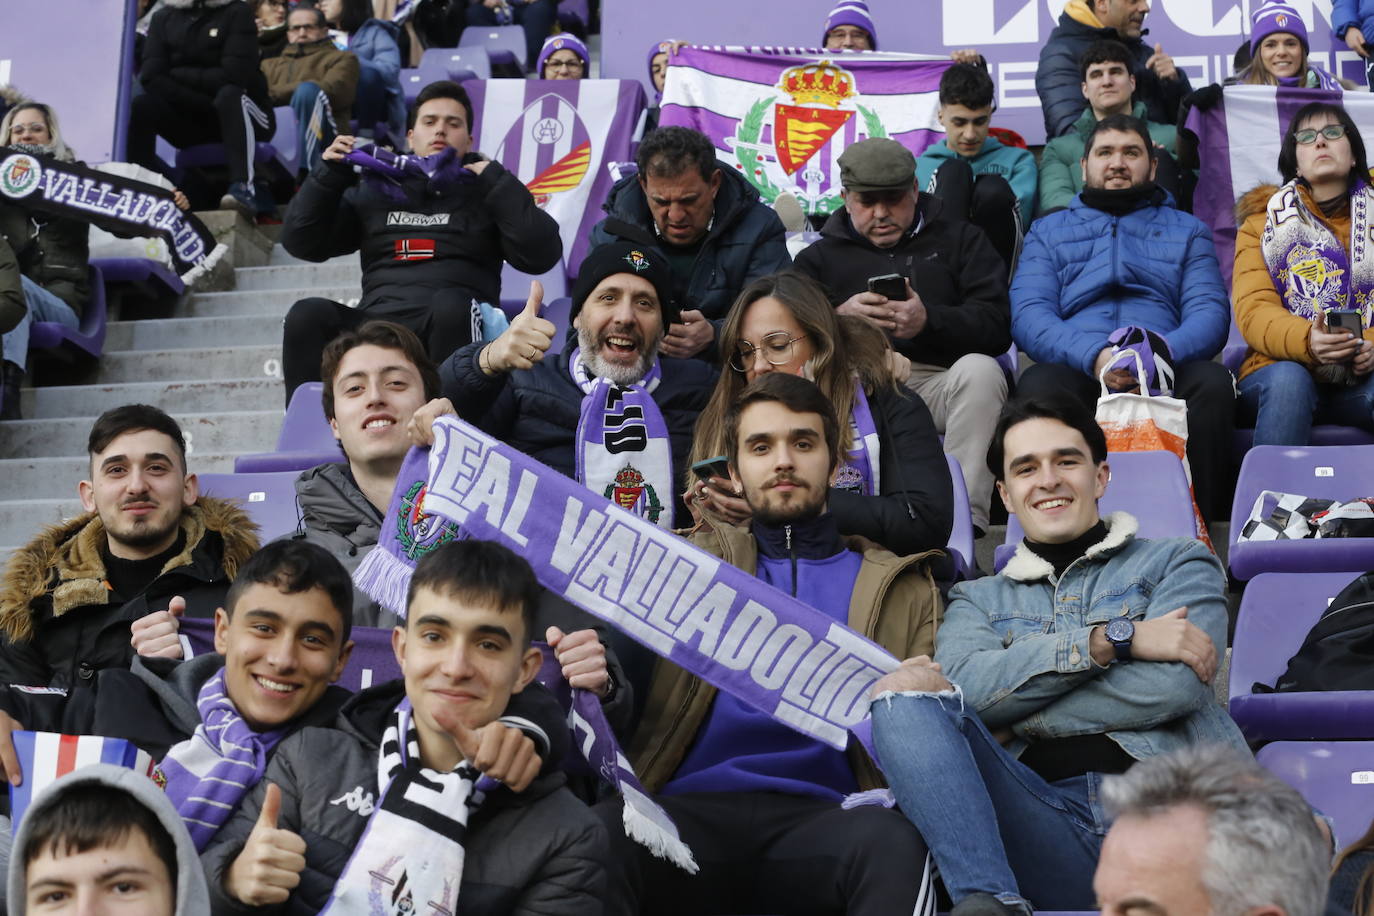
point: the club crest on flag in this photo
(417, 532)
(548, 148)
(809, 106)
(631, 492)
(20, 175)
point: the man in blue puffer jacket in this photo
(1353, 22)
(1120, 256)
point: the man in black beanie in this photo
(610, 412)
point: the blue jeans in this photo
(314, 121)
(43, 306)
(992, 824)
(370, 104)
(1284, 400)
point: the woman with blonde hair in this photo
(892, 484)
(1279, 51)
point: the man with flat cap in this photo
(608, 409)
(945, 309)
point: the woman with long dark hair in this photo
(373, 42)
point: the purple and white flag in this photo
(1238, 149)
(558, 137)
(781, 117)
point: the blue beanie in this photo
(851, 12)
(1277, 16)
(562, 41)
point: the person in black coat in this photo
(903, 500)
(431, 247)
(201, 83)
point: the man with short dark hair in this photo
(1105, 69)
(1092, 649)
(1121, 256)
(952, 320)
(758, 802)
(431, 241)
(1159, 83)
(708, 223)
(316, 79)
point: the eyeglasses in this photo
(563, 64)
(303, 27)
(1308, 135)
(777, 349)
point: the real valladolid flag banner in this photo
(781, 117)
(1238, 149)
(557, 136)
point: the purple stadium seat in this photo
(86, 341)
(515, 287)
(1276, 612)
(305, 440)
(152, 276)
(281, 151)
(505, 44)
(269, 499)
(470, 59)
(961, 535)
(1345, 472)
(1010, 361)
(371, 662)
(1336, 778)
(1150, 485)
(557, 312)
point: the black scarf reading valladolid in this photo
(119, 205)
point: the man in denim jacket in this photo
(1091, 650)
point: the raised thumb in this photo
(271, 807)
(535, 302)
(1159, 48)
(177, 606)
(469, 740)
(552, 636)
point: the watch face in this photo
(1119, 630)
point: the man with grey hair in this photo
(1207, 830)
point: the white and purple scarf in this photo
(387, 170)
(623, 449)
(208, 774)
(859, 472)
(409, 859)
(1309, 265)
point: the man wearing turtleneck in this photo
(757, 802)
(1091, 650)
(1122, 256)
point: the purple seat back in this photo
(1336, 778)
(371, 662)
(412, 81)
(305, 440)
(88, 339)
(557, 312)
(471, 59)
(282, 150)
(1276, 612)
(143, 271)
(1010, 361)
(1329, 472)
(269, 499)
(515, 287)
(503, 43)
(961, 535)
(1152, 486)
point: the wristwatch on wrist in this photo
(1119, 633)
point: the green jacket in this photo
(1061, 170)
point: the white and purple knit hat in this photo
(851, 12)
(1276, 16)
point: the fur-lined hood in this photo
(72, 551)
(1025, 566)
(1254, 201)
(12, 95)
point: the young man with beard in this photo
(757, 802)
(1122, 256)
(577, 412)
(1092, 649)
(408, 754)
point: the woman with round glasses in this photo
(1304, 284)
(563, 57)
(892, 484)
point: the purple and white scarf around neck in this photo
(623, 448)
(440, 172)
(208, 774)
(1309, 265)
(410, 857)
(859, 472)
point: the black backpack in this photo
(1338, 653)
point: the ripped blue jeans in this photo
(992, 824)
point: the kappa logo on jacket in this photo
(404, 218)
(358, 801)
(414, 249)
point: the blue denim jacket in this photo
(1017, 644)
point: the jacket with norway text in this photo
(1084, 273)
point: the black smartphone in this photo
(718, 466)
(1345, 320)
(893, 286)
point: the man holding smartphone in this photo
(934, 284)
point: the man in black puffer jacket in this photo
(431, 249)
(202, 83)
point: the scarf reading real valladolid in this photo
(116, 204)
(1309, 265)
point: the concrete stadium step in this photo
(280, 257)
(211, 433)
(56, 478)
(260, 302)
(21, 519)
(192, 333)
(183, 397)
(295, 276)
(262, 361)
